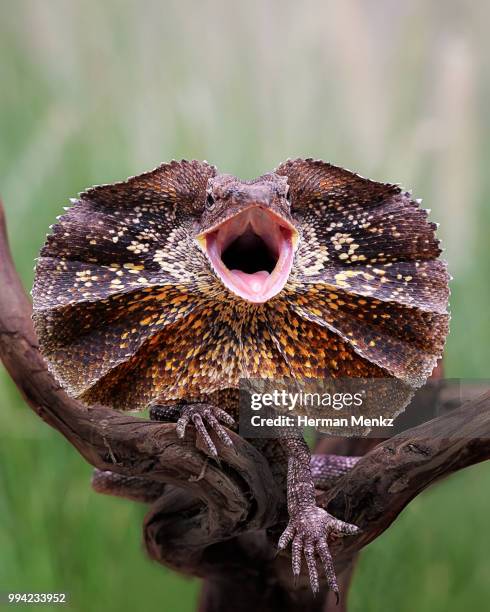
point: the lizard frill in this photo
(128, 308)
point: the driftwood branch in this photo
(221, 522)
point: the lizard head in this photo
(249, 235)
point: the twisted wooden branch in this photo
(212, 522)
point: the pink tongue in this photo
(252, 282)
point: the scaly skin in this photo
(134, 303)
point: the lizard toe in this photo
(204, 418)
(309, 532)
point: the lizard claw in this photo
(203, 416)
(309, 532)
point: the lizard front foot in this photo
(202, 416)
(309, 531)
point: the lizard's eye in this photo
(210, 201)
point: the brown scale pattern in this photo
(420, 284)
(402, 340)
(129, 311)
(122, 323)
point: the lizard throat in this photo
(252, 253)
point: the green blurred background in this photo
(91, 92)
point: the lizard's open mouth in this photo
(252, 252)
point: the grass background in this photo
(92, 92)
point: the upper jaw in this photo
(252, 252)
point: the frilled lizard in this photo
(166, 289)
